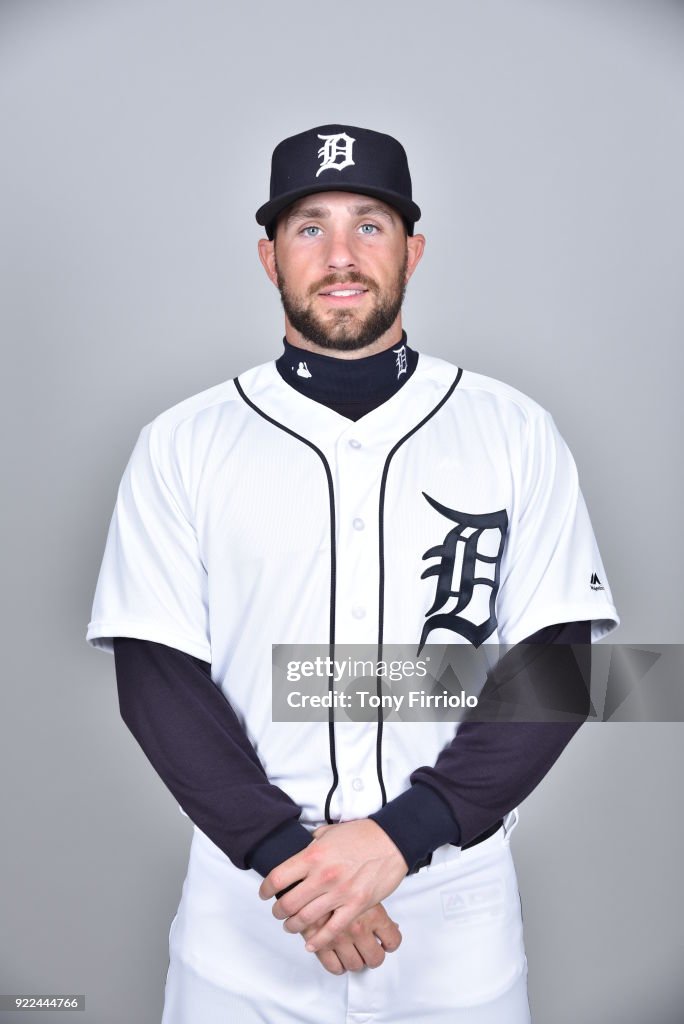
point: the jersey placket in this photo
(356, 473)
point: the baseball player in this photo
(353, 490)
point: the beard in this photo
(345, 330)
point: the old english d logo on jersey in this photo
(469, 558)
(336, 152)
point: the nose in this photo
(340, 254)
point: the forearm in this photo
(489, 767)
(197, 745)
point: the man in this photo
(353, 491)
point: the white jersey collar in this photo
(319, 424)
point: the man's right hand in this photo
(363, 944)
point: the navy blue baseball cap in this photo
(339, 158)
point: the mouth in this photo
(343, 296)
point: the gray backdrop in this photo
(545, 140)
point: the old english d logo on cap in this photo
(335, 146)
(340, 158)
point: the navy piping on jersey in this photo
(333, 573)
(381, 553)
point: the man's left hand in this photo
(349, 868)
(363, 944)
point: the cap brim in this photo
(267, 213)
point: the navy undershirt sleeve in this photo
(196, 743)
(491, 767)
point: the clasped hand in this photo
(342, 878)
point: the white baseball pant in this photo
(461, 961)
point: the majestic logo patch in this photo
(467, 571)
(401, 360)
(477, 903)
(595, 582)
(335, 146)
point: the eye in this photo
(309, 230)
(369, 229)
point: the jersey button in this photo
(354, 443)
(358, 523)
(358, 612)
(357, 784)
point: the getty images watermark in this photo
(349, 678)
(525, 683)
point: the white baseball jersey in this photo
(250, 515)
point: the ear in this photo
(416, 246)
(267, 257)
